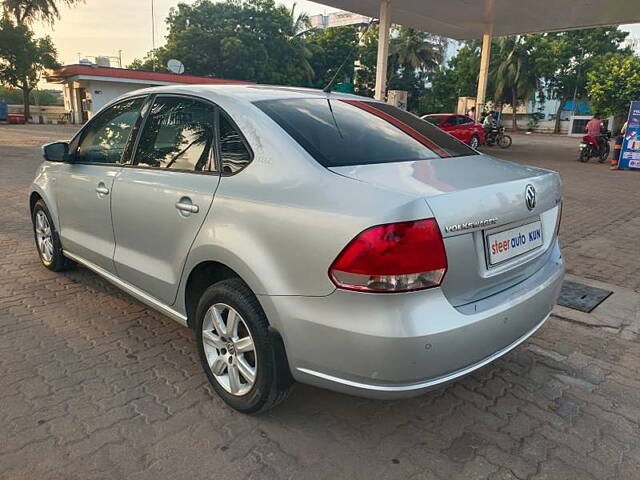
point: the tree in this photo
(297, 27)
(565, 58)
(614, 83)
(458, 79)
(413, 57)
(330, 48)
(152, 61)
(415, 50)
(28, 11)
(516, 78)
(23, 58)
(242, 39)
(37, 96)
(367, 57)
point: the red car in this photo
(464, 128)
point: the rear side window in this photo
(434, 119)
(178, 135)
(234, 153)
(347, 132)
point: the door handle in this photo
(101, 189)
(187, 207)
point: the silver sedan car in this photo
(305, 236)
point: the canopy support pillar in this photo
(383, 49)
(485, 56)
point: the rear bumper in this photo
(400, 345)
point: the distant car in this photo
(463, 127)
(16, 118)
(304, 235)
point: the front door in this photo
(83, 187)
(162, 198)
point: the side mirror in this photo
(56, 151)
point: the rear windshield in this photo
(350, 132)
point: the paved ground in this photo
(94, 385)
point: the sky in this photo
(103, 27)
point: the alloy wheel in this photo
(229, 348)
(44, 237)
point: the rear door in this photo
(162, 197)
(465, 128)
(83, 187)
(450, 125)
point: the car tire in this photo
(474, 142)
(47, 239)
(243, 357)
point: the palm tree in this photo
(516, 78)
(298, 26)
(417, 50)
(28, 11)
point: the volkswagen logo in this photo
(530, 197)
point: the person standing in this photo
(472, 112)
(617, 149)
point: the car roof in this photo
(248, 93)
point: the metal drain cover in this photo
(581, 297)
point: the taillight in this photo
(396, 257)
(559, 220)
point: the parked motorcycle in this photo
(589, 147)
(495, 136)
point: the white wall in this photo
(103, 92)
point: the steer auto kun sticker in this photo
(513, 242)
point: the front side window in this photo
(105, 138)
(339, 132)
(178, 135)
(234, 154)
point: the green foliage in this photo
(565, 57)
(23, 58)
(414, 57)
(367, 56)
(151, 61)
(442, 97)
(458, 79)
(555, 64)
(13, 96)
(330, 48)
(241, 39)
(29, 11)
(614, 83)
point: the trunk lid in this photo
(471, 198)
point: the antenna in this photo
(175, 66)
(153, 38)
(329, 86)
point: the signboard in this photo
(630, 153)
(397, 98)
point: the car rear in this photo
(420, 301)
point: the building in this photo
(338, 19)
(87, 88)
